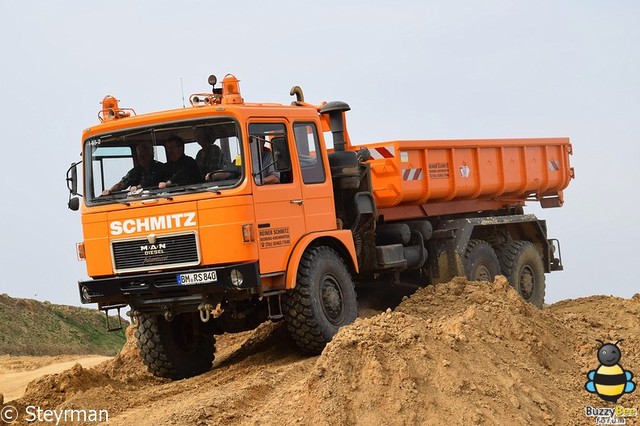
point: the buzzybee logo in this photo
(609, 381)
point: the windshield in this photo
(160, 160)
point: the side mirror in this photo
(72, 178)
(72, 185)
(74, 204)
(281, 154)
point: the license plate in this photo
(197, 278)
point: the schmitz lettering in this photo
(154, 223)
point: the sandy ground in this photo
(17, 372)
(463, 353)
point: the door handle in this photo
(298, 202)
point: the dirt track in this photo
(456, 353)
(13, 383)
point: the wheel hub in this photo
(483, 273)
(331, 299)
(527, 282)
(184, 334)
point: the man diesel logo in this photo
(154, 223)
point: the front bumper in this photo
(162, 288)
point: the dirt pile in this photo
(127, 366)
(471, 353)
(464, 352)
(455, 353)
(53, 390)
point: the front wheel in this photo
(175, 349)
(521, 263)
(323, 300)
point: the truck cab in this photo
(223, 243)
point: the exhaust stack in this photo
(335, 110)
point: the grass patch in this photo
(29, 327)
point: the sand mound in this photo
(459, 353)
(456, 353)
(127, 365)
(52, 390)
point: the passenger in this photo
(147, 173)
(269, 174)
(209, 158)
(183, 170)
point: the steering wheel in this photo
(232, 174)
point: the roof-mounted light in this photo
(201, 99)
(111, 111)
(231, 90)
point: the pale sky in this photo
(408, 69)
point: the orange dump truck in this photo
(217, 217)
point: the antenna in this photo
(182, 89)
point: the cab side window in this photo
(309, 153)
(270, 158)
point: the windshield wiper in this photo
(112, 198)
(164, 195)
(199, 187)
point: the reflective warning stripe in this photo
(384, 152)
(411, 174)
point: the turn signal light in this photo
(80, 251)
(247, 233)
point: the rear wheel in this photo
(480, 261)
(323, 300)
(521, 263)
(175, 349)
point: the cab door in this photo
(279, 207)
(317, 189)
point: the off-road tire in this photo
(172, 349)
(323, 300)
(480, 261)
(521, 263)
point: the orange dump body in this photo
(434, 177)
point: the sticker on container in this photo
(404, 156)
(382, 152)
(411, 174)
(465, 170)
(438, 170)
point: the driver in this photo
(209, 158)
(147, 173)
(183, 170)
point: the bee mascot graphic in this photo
(609, 381)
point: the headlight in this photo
(236, 278)
(85, 294)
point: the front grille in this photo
(168, 250)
